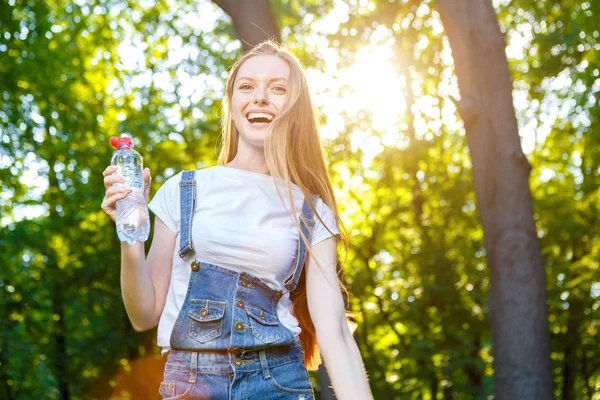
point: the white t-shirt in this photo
(239, 223)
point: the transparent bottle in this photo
(133, 219)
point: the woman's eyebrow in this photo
(253, 80)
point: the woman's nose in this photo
(261, 97)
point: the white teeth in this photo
(260, 115)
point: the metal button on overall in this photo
(240, 304)
(237, 362)
(195, 266)
(239, 326)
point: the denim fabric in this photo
(272, 373)
(228, 341)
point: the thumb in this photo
(147, 180)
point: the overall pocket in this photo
(172, 390)
(206, 319)
(265, 326)
(292, 378)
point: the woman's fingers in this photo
(147, 181)
(117, 189)
(109, 170)
(147, 178)
(113, 193)
(110, 201)
(110, 179)
(112, 196)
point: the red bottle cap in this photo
(118, 141)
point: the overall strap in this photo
(307, 222)
(187, 187)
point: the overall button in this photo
(244, 284)
(195, 266)
(204, 312)
(239, 326)
(237, 362)
(240, 304)
(278, 295)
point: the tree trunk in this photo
(253, 21)
(517, 300)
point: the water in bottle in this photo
(133, 219)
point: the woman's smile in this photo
(259, 119)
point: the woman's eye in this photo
(280, 88)
(245, 87)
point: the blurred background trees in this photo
(382, 73)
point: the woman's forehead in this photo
(264, 68)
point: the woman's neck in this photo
(249, 165)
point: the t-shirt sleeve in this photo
(320, 233)
(166, 204)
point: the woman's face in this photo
(259, 93)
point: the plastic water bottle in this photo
(133, 219)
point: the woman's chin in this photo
(254, 137)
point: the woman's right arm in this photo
(144, 281)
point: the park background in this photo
(462, 138)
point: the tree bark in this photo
(253, 21)
(517, 300)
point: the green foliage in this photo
(418, 268)
(65, 90)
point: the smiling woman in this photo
(242, 276)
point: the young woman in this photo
(246, 297)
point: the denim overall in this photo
(228, 342)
